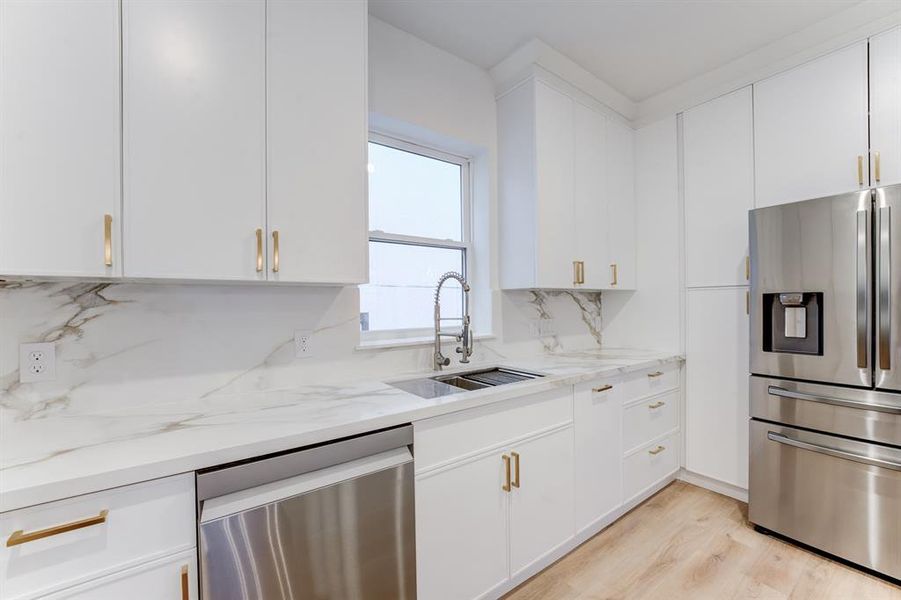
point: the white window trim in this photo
(415, 336)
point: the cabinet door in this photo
(598, 460)
(554, 164)
(541, 508)
(461, 530)
(59, 141)
(810, 127)
(717, 385)
(317, 136)
(718, 159)
(885, 106)
(194, 130)
(590, 195)
(621, 246)
(171, 577)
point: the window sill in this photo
(408, 342)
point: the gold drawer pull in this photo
(515, 456)
(108, 240)
(506, 486)
(20, 537)
(656, 450)
(275, 251)
(259, 250)
(658, 404)
(185, 589)
(603, 388)
(655, 374)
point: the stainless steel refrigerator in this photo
(825, 384)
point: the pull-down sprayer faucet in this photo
(464, 336)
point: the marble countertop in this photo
(42, 460)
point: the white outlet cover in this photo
(37, 362)
(303, 343)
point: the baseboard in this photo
(714, 485)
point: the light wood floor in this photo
(687, 542)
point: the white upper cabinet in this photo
(718, 163)
(620, 230)
(59, 138)
(567, 210)
(590, 198)
(885, 107)
(317, 134)
(810, 126)
(194, 139)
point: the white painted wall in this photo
(650, 316)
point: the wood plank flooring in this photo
(688, 542)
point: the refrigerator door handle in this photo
(885, 283)
(863, 272)
(784, 393)
(866, 460)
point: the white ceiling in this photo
(640, 47)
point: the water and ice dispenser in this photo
(793, 322)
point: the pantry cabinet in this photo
(194, 139)
(810, 129)
(317, 135)
(567, 209)
(716, 414)
(718, 172)
(59, 139)
(885, 107)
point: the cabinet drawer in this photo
(649, 419)
(120, 528)
(652, 381)
(442, 439)
(171, 577)
(650, 464)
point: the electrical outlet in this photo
(37, 362)
(303, 343)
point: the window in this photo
(419, 230)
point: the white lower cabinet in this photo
(173, 577)
(597, 418)
(541, 506)
(645, 467)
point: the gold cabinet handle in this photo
(859, 170)
(747, 302)
(20, 537)
(506, 486)
(108, 240)
(275, 251)
(655, 374)
(515, 456)
(259, 250)
(747, 268)
(613, 266)
(603, 388)
(185, 589)
(658, 404)
(656, 450)
(578, 272)
(876, 169)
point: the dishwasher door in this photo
(343, 531)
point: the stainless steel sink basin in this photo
(455, 383)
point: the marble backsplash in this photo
(127, 344)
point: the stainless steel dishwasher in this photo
(333, 521)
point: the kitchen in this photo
(337, 299)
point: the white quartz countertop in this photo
(63, 455)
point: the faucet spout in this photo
(465, 336)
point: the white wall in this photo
(650, 316)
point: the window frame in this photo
(465, 243)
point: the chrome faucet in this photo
(465, 334)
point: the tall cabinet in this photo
(885, 107)
(59, 138)
(567, 210)
(718, 188)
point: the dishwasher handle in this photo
(272, 493)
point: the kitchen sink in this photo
(455, 383)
